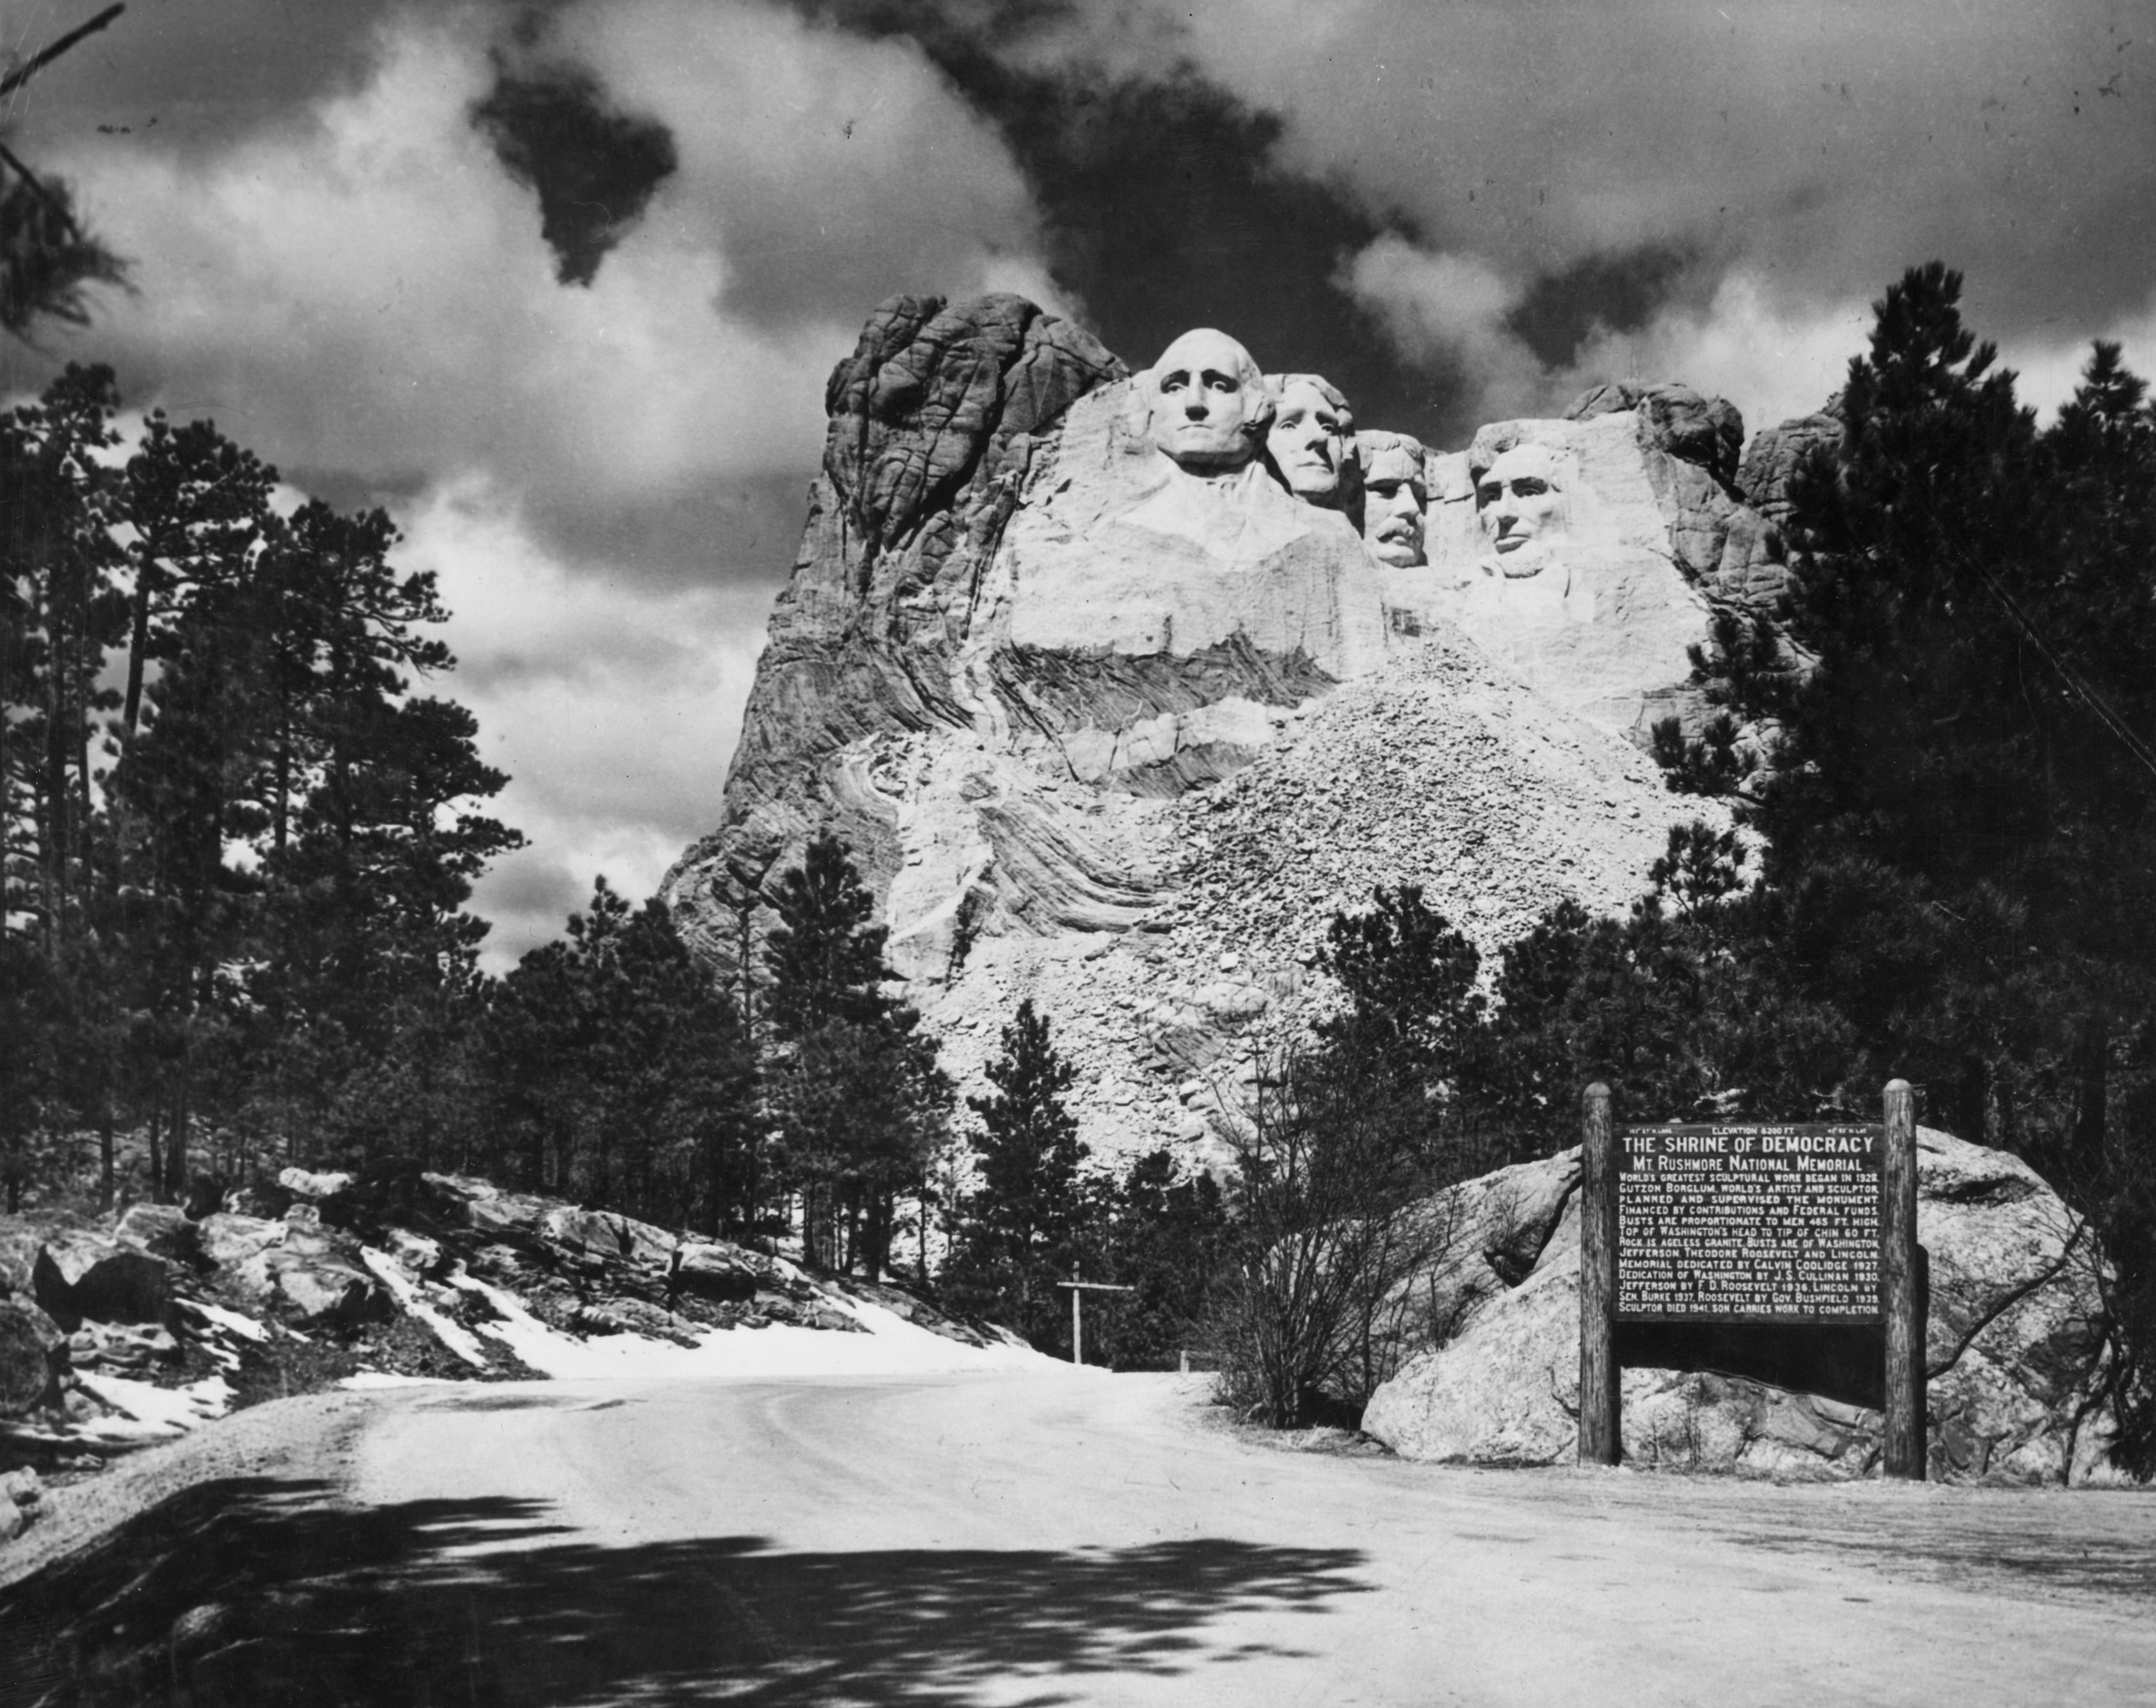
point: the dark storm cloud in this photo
(1821, 147)
(1164, 205)
(198, 74)
(1717, 180)
(740, 528)
(833, 168)
(593, 167)
(1621, 292)
(526, 900)
(1168, 200)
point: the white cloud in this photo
(360, 292)
(2049, 370)
(831, 170)
(376, 298)
(1773, 356)
(613, 711)
(1450, 308)
(1771, 359)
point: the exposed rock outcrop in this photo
(162, 1230)
(1771, 458)
(1096, 724)
(74, 1272)
(33, 1354)
(936, 420)
(390, 1271)
(2013, 1300)
(1641, 537)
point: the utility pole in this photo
(1079, 1290)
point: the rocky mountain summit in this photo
(1118, 685)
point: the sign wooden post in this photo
(1901, 1289)
(1079, 1290)
(1600, 1438)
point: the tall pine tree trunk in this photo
(156, 1147)
(130, 707)
(85, 670)
(2001, 1115)
(175, 1146)
(2092, 1100)
(55, 850)
(878, 1235)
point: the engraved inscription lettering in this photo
(1758, 1224)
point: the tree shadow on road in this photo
(257, 1592)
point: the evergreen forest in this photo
(242, 825)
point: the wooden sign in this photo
(1750, 1223)
(1801, 1224)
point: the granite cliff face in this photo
(1641, 539)
(1118, 733)
(935, 421)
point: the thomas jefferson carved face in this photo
(1519, 504)
(1310, 438)
(1395, 489)
(1209, 406)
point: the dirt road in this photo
(1064, 1540)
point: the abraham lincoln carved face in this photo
(1519, 504)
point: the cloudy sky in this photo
(559, 283)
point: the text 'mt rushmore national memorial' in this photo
(1120, 685)
(1777, 1224)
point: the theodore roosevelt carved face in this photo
(1519, 504)
(1209, 403)
(1311, 438)
(1395, 490)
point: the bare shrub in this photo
(1344, 1242)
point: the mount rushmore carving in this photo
(1118, 684)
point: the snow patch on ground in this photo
(246, 1327)
(455, 1336)
(150, 1413)
(389, 1378)
(891, 1346)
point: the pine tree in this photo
(1167, 1234)
(1960, 804)
(825, 956)
(1401, 1055)
(860, 1099)
(1409, 981)
(1021, 1217)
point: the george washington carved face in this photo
(1209, 403)
(1395, 490)
(1311, 439)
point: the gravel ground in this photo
(309, 1438)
